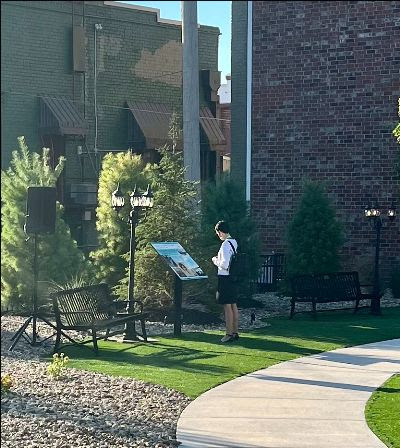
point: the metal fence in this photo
(272, 270)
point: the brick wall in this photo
(138, 59)
(134, 53)
(35, 59)
(324, 103)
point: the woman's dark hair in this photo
(222, 226)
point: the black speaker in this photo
(40, 210)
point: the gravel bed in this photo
(83, 409)
(91, 410)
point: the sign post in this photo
(178, 306)
(184, 268)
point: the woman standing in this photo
(226, 291)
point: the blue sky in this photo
(208, 13)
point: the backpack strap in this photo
(234, 253)
(232, 246)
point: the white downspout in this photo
(248, 101)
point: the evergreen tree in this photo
(396, 130)
(111, 259)
(395, 272)
(314, 234)
(58, 255)
(174, 217)
(396, 133)
(226, 201)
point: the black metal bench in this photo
(271, 272)
(324, 288)
(91, 308)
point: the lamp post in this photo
(373, 214)
(138, 201)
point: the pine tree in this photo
(314, 234)
(111, 259)
(396, 133)
(395, 272)
(58, 255)
(174, 217)
(396, 130)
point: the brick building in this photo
(88, 77)
(321, 80)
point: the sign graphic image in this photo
(179, 260)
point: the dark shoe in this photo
(235, 336)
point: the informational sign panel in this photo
(179, 261)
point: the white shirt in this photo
(222, 260)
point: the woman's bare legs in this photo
(229, 318)
(235, 318)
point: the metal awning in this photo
(212, 129)
(153, 120)
(61, 116)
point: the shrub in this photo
(395, 281)
(57, 366)
(314, 234)
(58, 254)
(396, 133)
(111, 259)
(6, 382)
(76, 281)
(174, 217)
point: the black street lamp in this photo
(373, 214)
(138, 201)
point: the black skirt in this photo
(226, 290)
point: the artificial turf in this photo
(198, 361)
(383, 412)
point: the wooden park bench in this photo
(91, 308)
(324, 288)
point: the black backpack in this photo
(237, 264)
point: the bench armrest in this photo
(370, 289)
(366, 287)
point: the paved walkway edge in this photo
(311, 402)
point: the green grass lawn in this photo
(383, 412)
(197, 362)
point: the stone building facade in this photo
(88, 77)
(322, 82)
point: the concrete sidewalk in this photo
(312, 402)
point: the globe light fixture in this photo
(117, 199)
(391, 214)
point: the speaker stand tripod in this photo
(34, 317)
